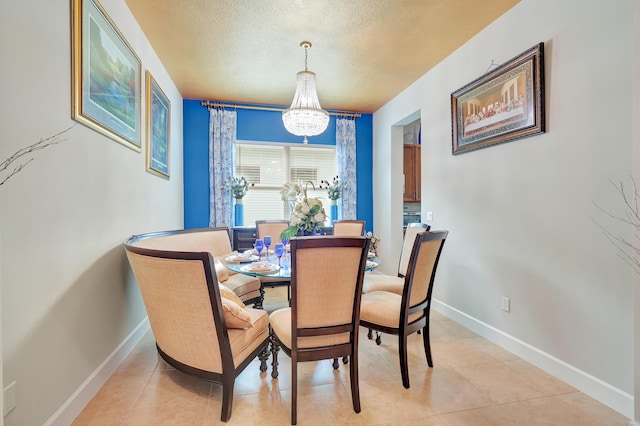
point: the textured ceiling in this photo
(364, 51)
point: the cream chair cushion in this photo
(221, 271)
(383, 308)
(234, 315)
(244, 341)
(391, 283)
(281, 324)
(381, 282)
(230, 295)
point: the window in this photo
(271, 166)
(250, 173)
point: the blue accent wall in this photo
(257, 125)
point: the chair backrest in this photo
(181, 295)
(326, 287)
(410, 234)
(348, 228)
(416, 296)
(272, 228)
(213, 240)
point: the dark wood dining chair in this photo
(402, 315)
(395, 283)
(322, 322)
(348, 228)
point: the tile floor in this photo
(473, 382)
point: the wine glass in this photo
(279, 250)
(267, 243)
(285, 241)
(259, 246)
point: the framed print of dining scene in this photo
(106, 76)
(503, 105)
(158, 122)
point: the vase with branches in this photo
(627, 245)
(8, 169)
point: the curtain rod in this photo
(211, 104)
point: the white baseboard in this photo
(81, 397)
(598, 389)
(634, 423)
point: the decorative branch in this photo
(627, 250)
(7, 165)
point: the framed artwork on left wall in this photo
(158, 120)
(106, 75)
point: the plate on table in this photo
(241, 258)
(371, 255)
(261, 267)
(371, 264)
(262, 253)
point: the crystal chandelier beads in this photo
(305, 117)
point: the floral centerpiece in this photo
(373, 246)
(308, 215)
(290, 191)
(334, 189)
(237, 186)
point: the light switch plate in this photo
(429, 216)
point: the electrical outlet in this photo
(9, 398)
(506, 304)
(429, 216)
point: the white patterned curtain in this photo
(346, 156)
(222, 136)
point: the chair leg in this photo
(335, 364)
(404, 367)
(275, 347)
(378, 339)
(370, 334)
(294, 389)
(355, 387)
(227, 398)
(260, 303)
(345, 360)
(427, 344)
(263, 356)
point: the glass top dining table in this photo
(270, 266)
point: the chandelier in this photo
(305, 117)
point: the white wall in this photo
(636, 172)
(68, 298)
(519, 214)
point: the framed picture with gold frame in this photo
(503, 105)
(106, 75)
(158, 128)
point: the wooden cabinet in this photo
(412, 172)
(243, 238)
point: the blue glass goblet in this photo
(267, 243)
(259, 246)
(279, 250)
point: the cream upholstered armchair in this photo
(395, 283)
(408, 312)
(348, 228)
(217, 242)
(322, 322)
(201, 327)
